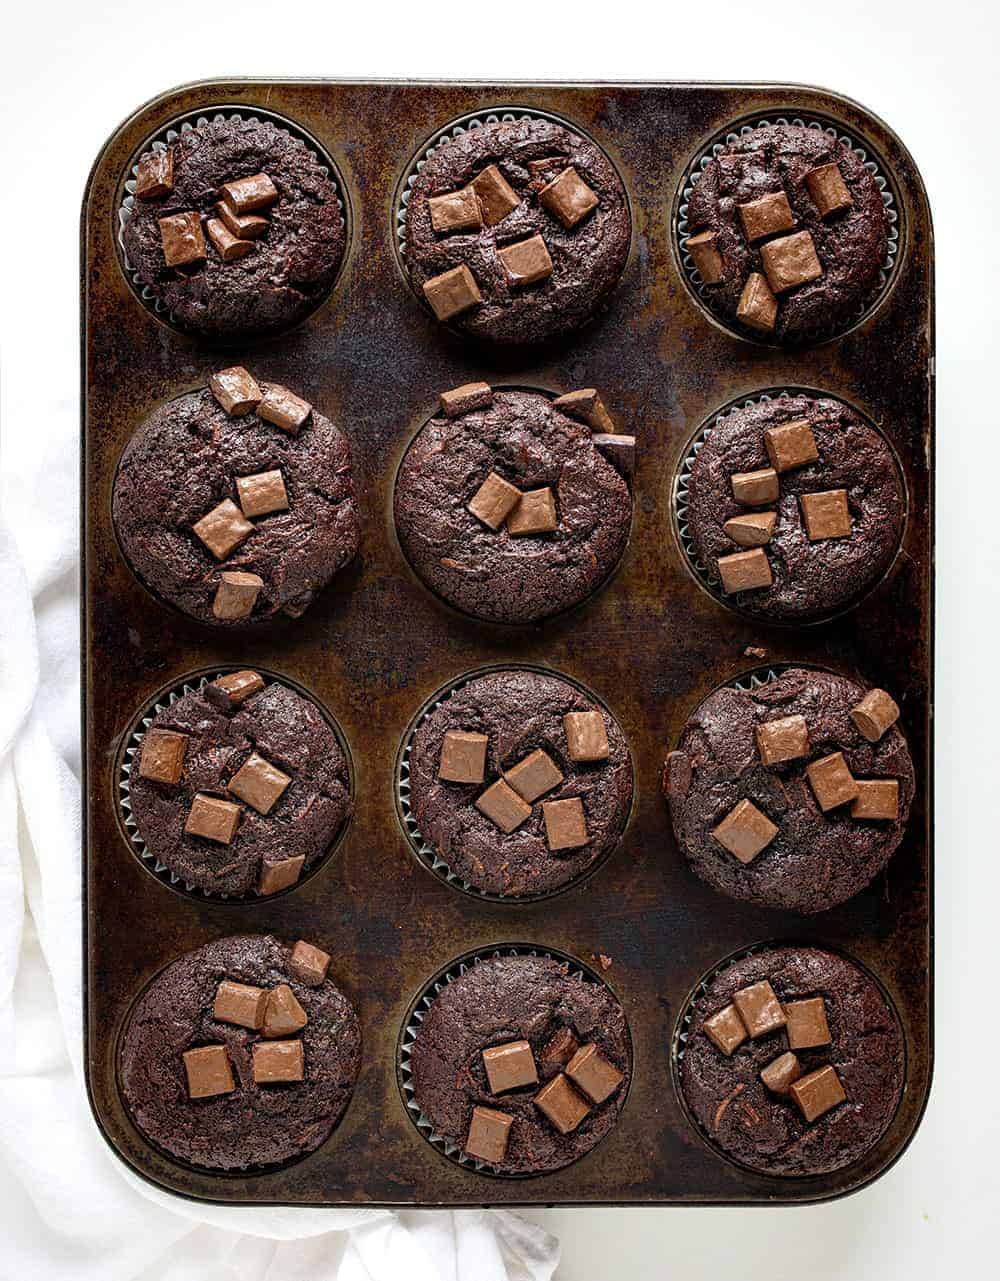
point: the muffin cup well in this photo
(129, 748)
(415, 1016)
(425, 853)
(732, 133)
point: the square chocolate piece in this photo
(558, 1051)
(223, 529)
(245, 226)
(766, 216)
(619, 451)
(826, 515)
(309, 963)
(875, 715)
(502, 806)
(262, 494)
(759, 1009)
(246, 194)
(154, 175)
(535, 513)
(586, 736)
(510, 1066)
(781, 1072)
(284, 409)
(805, 1023)
(236, 390)
(452, 293)
(280, 875)
(462, 400)
(755, 488)
(259, 783)
(751, 529)
(745, 831)
(240, 1004)
(496, 196)
(757, 307)
(561, 1104)
(568, 198)
(212, 819)
(586, 406)
(790, 261)
(828, 190)
(236, 595)
(161, 757)
(790, 445)
(565, 824)
(526, 262)
(489, 1133)
(455, 211)
(725, 1029)
(283, 1015)
(182, 239)
(463, 757)
(785, 739)
(208, 1072)
(233, 689)
(831, 781)
(592, 1073)
(877, 798)
(745, 571)
(534, 776)
(230, 248)
(494, 500)
(275, 1061)
(704, 251)
(818, 1092)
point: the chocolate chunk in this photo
(875, 714)
(744, 571)
(154, 175)
(234, 688)
(828, 190)
(805, 1023)
(752, 529)
(790, 261)
(785, 739)
(309, 963)
(244, 226)
(489, 1133)
(586, 406)
(236, 595)
(463, 757)
(502, 806)
(790, 445)
(755, 488)
(536, 168)
(161, 757)
(877, 798)
(182, 239)
(280, 875)
(462, 400)
(283, 1015)
(236, 390)
(229, 247)
(241, 1004)
(568, 198)
(757, 307)
(745, 831)
(759, 1009)
(561, 1104)
(496, 196)
(586, 736)
(831, 781)
(262, 494)
(510, 1066)
(764, 217)
(818, 1092)
(494, 500)
(452, 293)
(535, 513)
(455, 211)
(559, 1049)
(212, 818)
(278, 1061)
(619, 450)
(284, 409)
(246, 194)
(526, 261)
(592, 1073)
(826, 515)
(534, 776)
(725, 1029)
(259, 783)
(677, 775)
(781, 1072)
(565, 824)
(208, 1072)
(704, 251)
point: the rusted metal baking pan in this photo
(375, 646)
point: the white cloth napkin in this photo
(70, 1208)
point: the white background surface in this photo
(71, 73)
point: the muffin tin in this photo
(376, 645)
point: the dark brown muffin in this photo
(542, 179)
(519, 713)
(815, 859)
(509, 999)
(763, 1128)
(253, 1123)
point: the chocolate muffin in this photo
(788, 231)
(516, 230)
(520, 782)
(793, 794)
(239, 787)
(793, 1062)
(236, 226)
(796, 504)
(509, 509)
(236, 503)
(521, 1064)
(231, 1059)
